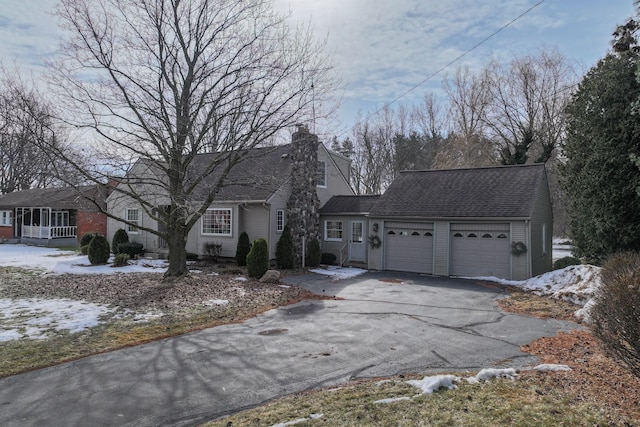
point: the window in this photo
(5, 219)
(321, 175)
(333, 230)
(133, 216)
(280, 220)
(472, 235)
(217, 221)
(428, 234)
(502, 236)
(487, 236)
(415, 233)
(457, 235)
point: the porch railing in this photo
(38, 232)
(344, 253)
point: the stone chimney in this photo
(303, 205)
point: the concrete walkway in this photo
(381, 328)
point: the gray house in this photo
(462, 222)
(254, 198)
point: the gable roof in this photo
(55, 198)
(349, 204)
(496, 192)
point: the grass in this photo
(498, 402)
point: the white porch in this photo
(45, 223)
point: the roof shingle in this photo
(497, 192)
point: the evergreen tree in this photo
(243, 248)
(258, 259)
(285, 253)
(599, 177)
(119, 237)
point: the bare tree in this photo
(467, 144)
(528, 97)
(161, 81)
(26, 123)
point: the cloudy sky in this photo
(383, 48)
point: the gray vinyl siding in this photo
(118, 204)
(520, 264)
(541, 218)
(333, 247)
(336, 181)
(254, 219)
(375, 255)
(276, 202)
(441, 248)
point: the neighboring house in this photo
(253, 200)
(52, 216)
(461, 222)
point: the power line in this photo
(450, 63)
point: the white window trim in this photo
(138, 221)
(280, 220)
(218, 234)
(324, 172)
(333, 239)
(6, 218)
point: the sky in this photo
(388, 51)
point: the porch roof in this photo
(81, 198)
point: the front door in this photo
(356, 241)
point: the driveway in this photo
(385, 324)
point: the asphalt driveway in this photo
(385, 324)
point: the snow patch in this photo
(488, 373)
(392, 399)
(430, 384)
(338, 273)
(549, 367)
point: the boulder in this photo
(270, 276)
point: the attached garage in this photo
(480, 250)
(408, 247)
(464, 222)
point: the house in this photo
(255, 198)
(52, 216)
(493, 221)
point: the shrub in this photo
(328, 258)
(258, 259)
(86, 239)
(119, 237)
(120, 260)
(212, 250)
(616, 310)
(99, 250)
(192, 256)
(285, 254)
(313, 253)
(133, 249)
(243, 248)
(565, 262)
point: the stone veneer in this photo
(302, 208)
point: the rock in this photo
(270, 276)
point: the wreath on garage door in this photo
(374, 242)
(518, 248)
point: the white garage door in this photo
(408, 247)
(480, 250)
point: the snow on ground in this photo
(338, 273)
(54, 260)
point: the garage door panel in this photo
(409, 249)
(480, 250)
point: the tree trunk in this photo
(177, 242)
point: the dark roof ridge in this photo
(463, 168)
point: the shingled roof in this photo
(349, 204)
(56, 198)
(496, 192)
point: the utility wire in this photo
(450, 63)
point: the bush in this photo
(565, 262)
(328, 258)
(192, 256)
(99, 250)
(313, 253)
(84, 250)
(285, 254)
(133, 249)
(120, 260)
(243, 248)
(616, 310)
(258, 259)
(119, 237)
(212, 250)
(86, 239)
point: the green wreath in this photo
(374, 242)
(518, 248)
